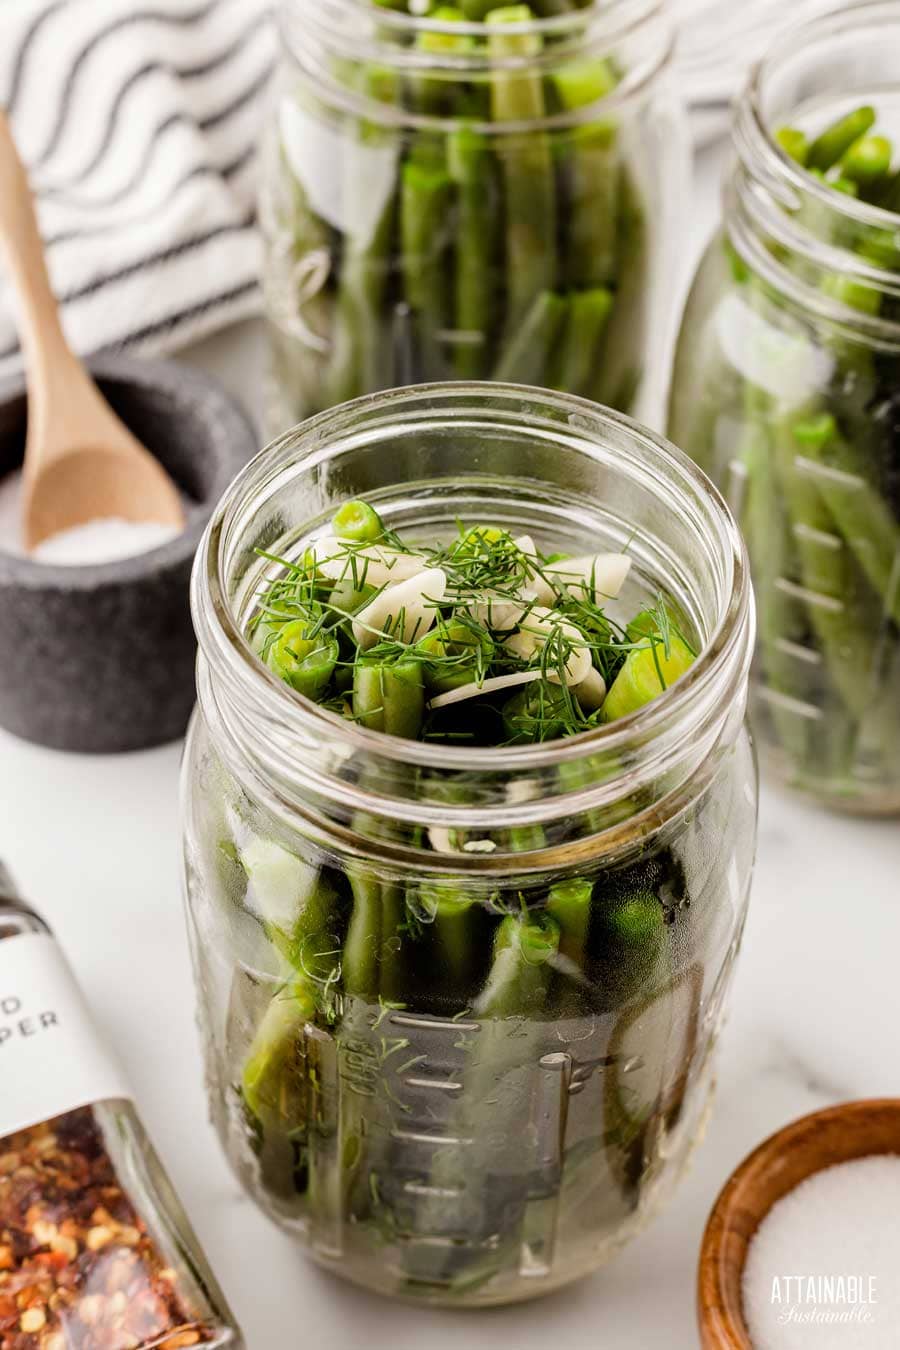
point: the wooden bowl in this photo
(839, 1134)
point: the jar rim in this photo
(231, 655)
(782, 184)
(611, 18)
(338, 27)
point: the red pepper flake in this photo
(78, 1268)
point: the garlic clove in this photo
(375, 565)
(606, 572)
(467, 691)
(405, 611)
(591, 693)
(539, 627)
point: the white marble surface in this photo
(94, 843)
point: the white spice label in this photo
(51, 1057)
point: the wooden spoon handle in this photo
(43, 342)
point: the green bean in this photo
(646, 673)
(274, 1082)
(391, 961)
(868, 162)
(834, 142)
(389, 697)
(581, 83)
(589, 313)
(888, 198)
(569, 903)
(452, 914)
(858, 509)
(468, 650)
(630, 931)
(476, 244)
(845, 636)
(529, 351)
(358, 522)
(616, 376)
(527, 167)
(794, 143)
(358, 361)
(520, 974)
(426, 195)
(362, 945)
(306, 664)
(769, 538)
(535, 713)
(433, 94)
(589, 160)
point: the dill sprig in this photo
(497, 587)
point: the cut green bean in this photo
(517, 96)
(306, 664)
(358, 522)
(794, 143)
(569, 905)
(389, 698)
(647, 672)
(517, 984)
(580, 349)
(834, 142)
(476, 291)
(859, 511)
(426, 195)
(529, 351)
(868, 162)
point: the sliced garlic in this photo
(375, 565)
(542, 591)
(405, 611)
(591, 693)
(606, 572)
(525, 544)
(442, 839)
(500, 612)
(538, 628)
(466, 691)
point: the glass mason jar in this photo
(418, 1147)
(786, 391)
(479, 200)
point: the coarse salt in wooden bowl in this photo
(839, 1134)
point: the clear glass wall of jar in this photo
(488, 200)
(786, 391)
(417, 1147)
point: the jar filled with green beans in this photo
(469, 823)
(786, 391)
(470, 191)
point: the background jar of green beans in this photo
(459, 1000)
(482, 192)
(787, 392)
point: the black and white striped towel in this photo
(138, 121)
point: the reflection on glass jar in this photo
(473, 200)
(787, 392)
(459, 1002)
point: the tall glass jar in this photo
(95, 1248)
(446, 199)
(417, 1145)
(787, 392)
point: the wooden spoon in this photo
(81, 462)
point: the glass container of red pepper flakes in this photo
(95, 1250)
